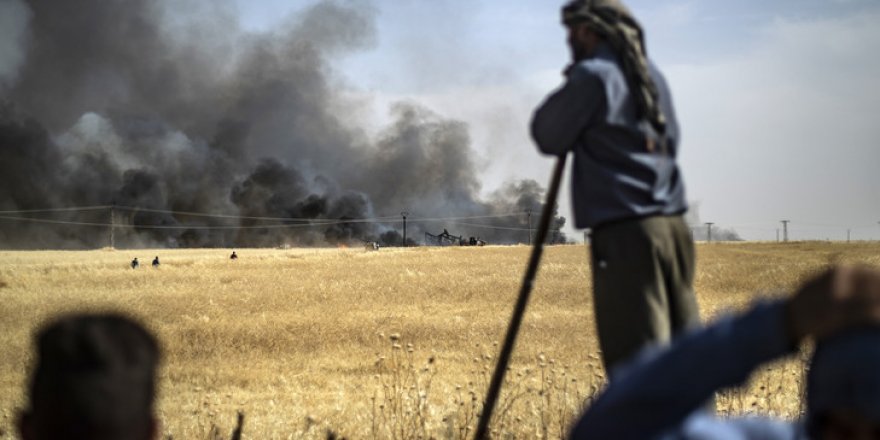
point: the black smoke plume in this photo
(170, 109)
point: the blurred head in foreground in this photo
(94, 379)
(843, 387)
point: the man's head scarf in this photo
(845, 375)
(613, 22)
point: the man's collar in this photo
(604, 51)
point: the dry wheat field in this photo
(391, 344)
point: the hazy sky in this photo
(778, 101)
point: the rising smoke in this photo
(700, 230)
(171, 106)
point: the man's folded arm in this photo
(562, 117)
(657, 391)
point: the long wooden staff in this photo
(521, 302)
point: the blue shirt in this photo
(660, 394)
(615, 175)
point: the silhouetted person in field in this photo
(156, 261)
(134, 263)
(94, 379)
(233, 256)
(660, 393)
(615, 113)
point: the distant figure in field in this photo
(233, 256)
(156, 261)
(134, 263)
(94, 378)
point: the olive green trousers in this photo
(643, 274)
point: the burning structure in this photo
(446, 239)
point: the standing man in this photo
(615, 113)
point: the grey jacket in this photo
(621, 168)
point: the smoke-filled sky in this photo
(778, 101)
(171, 110)
(364, 108)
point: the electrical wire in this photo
(54, 222)
(200, 227)
(244, 217)
(386, 219)
(30, 211)
(231, 227)
(477, 225)
(472, 217)
(312, 222)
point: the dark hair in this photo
(94, 378)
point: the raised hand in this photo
(838, 299)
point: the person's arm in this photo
(657, 391)
(562, 117)
(654, 394)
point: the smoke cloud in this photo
(170, 109)
(700, 230)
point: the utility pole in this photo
(529, 220)
(709, 231)
(113, 226)
(404, 214)
(777, 235)
(785, 230)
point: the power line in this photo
(34, 211)
(404, 214)
(471, 217)
(232, 227)
(204, 227)
(385, 219)
(56, 222)
(477, 225)
(749, 228)
(529, 214)
(313, 222)
(113, 227)
(245, 217)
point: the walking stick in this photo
(521, 302)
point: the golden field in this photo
(391, 344)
